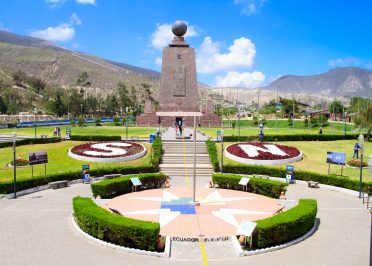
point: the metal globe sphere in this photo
(179, 28)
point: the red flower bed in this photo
(237, 151)
(80, 150)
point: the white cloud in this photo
(2, 27)
(210, 59)
(250, 6)
(75, 20)
(241, 79)
(158, 61)
(86, 2)
(163, 35)
(344, 62)
(55, 3)
(62, 32)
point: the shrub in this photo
(255, 120)
(260, 186)
(286, 226)
(306, 122)
(212, 151)
(98, 122)
(313, 122)
(111, 188)
(114, 228)
(157, 147)
(81, 121)
(297, 137)
(290, 121)
(7, 187)
(20, 162)
(95, 138)
(332, 180)
(30, 141)
(72, 122)
(356, 163)
(117, 121)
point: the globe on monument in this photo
(179, 28)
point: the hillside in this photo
(337, 82)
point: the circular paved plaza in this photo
(37, 230)
(219, 213)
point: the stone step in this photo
(187, 160)
(182, 165)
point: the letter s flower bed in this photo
(114, 228)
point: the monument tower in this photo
(178, 85)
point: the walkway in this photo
(37, 230)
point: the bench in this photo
(313, 184)
(111, 176)
(280, 210)
(134, 137)
(58, 184)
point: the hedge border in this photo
(269, 188)
(212, 151)
(7, 187)
(94, 138)
(286, 226)
(111, 188)
(30, 141)
(157, 150)
(299, 137)
(332, 180)
(114, 228)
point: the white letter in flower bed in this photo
(253, 151)
(111, 151)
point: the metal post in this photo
(194, 172)
(35, 127)
(239, 123)
(370, 245)
(126, 123)
(14, 164)
(222, 151)
(361, 144)
(293, 112)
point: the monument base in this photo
(210, 120)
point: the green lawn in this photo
(314, 158)
(59, 161)
(89, 130)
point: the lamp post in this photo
(35, 112)
(126, 123)
(81, 110)
(14, 137)
(361, 143)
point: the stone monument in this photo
(178, 85)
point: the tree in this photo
(111, 105)
(36, 83)
(306, 122)
(364, 120)
(20, 78)
(255, 120)
(3, 106)
(83, 79)
(57, 106)
(124, 97)
(336, 107)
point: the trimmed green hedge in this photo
(332, 180)
(212, 151)
(111, 188)
(7, 187)
(94, 138)
(22, 142)
(260, 186)
(286, 226)
(157, 148)
(297, 137)
(114, 228)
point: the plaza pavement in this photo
(37, 230)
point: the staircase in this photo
(178, 159)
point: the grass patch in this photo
(59, 161)
(314, 157)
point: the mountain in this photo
(58, 66)
(337, 82)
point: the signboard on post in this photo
(39, 157)
(135, 182)
(244, 182)
(289, 176)
(86, 173)
(68, 133)
(219, 135)
(338, 158)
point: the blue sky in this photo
(238, 42)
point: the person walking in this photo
(356, 150)
(320, 130)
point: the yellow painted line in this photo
(203, 252)
(185, 164)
